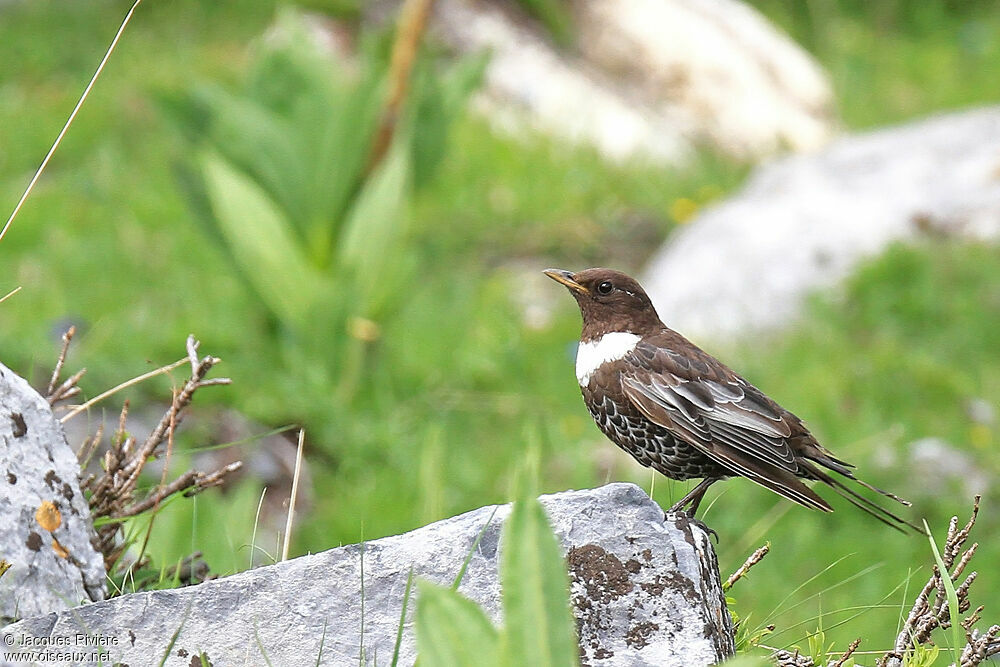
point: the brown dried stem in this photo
(756, 557)
(113, 492)
(848, 653)
(930, 611)
(412, 23)
(785, 658)
(67, 389)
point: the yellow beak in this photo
(566, 278)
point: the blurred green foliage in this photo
(537, 628)
(291, 182)
(460, 380)
(554, 15)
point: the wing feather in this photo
(659, 407)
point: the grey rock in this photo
(646, 591)
(51, 570)
(648, 78)
(804, 222)
(935, 463)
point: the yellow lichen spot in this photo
(59, 549)
(683, 209)
(48, 516)
(4, 566)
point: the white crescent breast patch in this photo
(609, 347)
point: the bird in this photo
(682, 412)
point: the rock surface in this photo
(644, 77)
(646, 592)
(804, 222)
(45, 525)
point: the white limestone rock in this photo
(51, 570)
(644, 78)
(646, 592)
(804, 222)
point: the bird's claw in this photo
(673, 515)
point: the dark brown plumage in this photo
(682, 412)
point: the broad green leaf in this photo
(259, 143)
(539, 628)
(452, 631)
(336, 139)
(371, 248)
(439, 100)
(260, 239)
(331, 112)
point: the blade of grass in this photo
(10, 294)
(177, 633)
(256, 520)
(803, 585)
(840, 583)
(242, 441)
(402, 619)
(124, 385)
(949, 589)
(472, 550)
(260, 645)
(322, 641)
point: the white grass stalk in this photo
(295, 490)
(69, 121)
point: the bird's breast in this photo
(593, 354)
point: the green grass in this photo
(894, 60)
(458, 385)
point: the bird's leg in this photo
(693, 498)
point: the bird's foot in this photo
(673, 514)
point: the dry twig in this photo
(930, 611)
(848, 653)
(114, 390)
(112, 494)
(756, 557)
(69, 388)
(792, 659)
(412, 24)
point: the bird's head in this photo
(609, 301)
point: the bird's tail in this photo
(865, 504)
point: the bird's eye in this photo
(605, 287)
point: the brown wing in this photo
(708, 406)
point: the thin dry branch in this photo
(784, 658)
(112, 494)
(412, 24)
(756, 557)
(930, 611)
(848, 653)
(66, 338)
(56, 392)
(124, 385)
